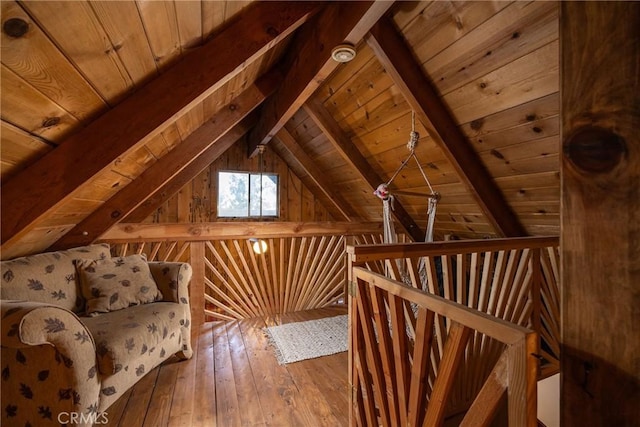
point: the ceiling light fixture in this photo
(343, 52)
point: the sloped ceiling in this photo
(493, 67)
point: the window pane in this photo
(254, 199)
(269, 195)
(233, 194)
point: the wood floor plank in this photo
(248, 399)
(227, 408)
(181, 412)
(204, 403)
(322, 382)
(138, 402)
(325, 391)
(234, 380)
(116, 410)
(162, 396)
(279, 397)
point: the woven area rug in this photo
(293, 342)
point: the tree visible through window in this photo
(241, 194)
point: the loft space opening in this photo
(248, 195)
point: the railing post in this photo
(536, 297)
(522, 378)
(353, 314)
(196, 288)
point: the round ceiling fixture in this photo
(343, 53)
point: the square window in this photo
(244, 195)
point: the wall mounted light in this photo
(259, 246)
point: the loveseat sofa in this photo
(80, 327)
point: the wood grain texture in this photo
(129, 198)
(19, 149)
(352, 155)
(453, 355)
(38, 62)
(163, 99)
(420, 94)
(316, 175)
(237, 381)
(235, 230)
(600, 214)
(310, 63)
(197, 165)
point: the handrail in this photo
(405, 380)
(364, 253)
(505, 332)
(495, 290)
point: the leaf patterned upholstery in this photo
(54, 361)
(49, 277)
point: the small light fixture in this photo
(259, 246)
(343, 53)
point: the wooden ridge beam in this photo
(130, 197)
(354, 157)
(397, 59)
(309, 62)
(185, 176)
(316, 175)
(122, 233)
(43, 186)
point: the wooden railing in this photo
(455, 327)
(302, 267)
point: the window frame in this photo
(249, 174)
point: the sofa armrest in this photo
(172, 279)
(49, 358)
(26, 324)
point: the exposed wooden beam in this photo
(354, 157)
(130, 197)
(43, 186)
(600, 167)
(121, 233)
(397, 59)
(309, 62)
(316, 175)
(185, 176)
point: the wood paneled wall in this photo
(196, 202)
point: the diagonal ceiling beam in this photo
(130, 197)
(187, 174)
(34, 192)
(309, 62)
(397, 59)
(354, 157)
(316, 175)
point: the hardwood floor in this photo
(234, 380)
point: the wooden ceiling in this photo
(107, 105)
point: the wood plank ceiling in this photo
(94, 94)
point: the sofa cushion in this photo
(49, 277)
(123, 337)
(116, 283)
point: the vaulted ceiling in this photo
(108, 108)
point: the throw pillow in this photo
(49, 278)
(116, 283)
